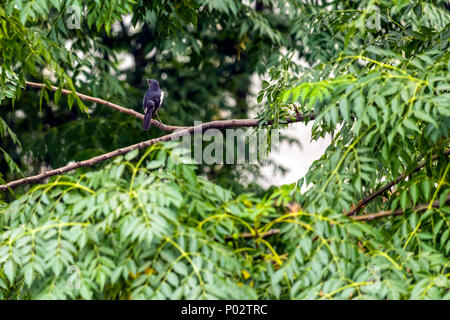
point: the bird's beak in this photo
(148, 81)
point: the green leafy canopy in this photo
(374, 75)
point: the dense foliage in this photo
(204, 54)
(375, 75)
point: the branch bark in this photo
(380, 191)
(398, 212)
(131, 112)
(219, 124)
(367, 217)
(182, 131)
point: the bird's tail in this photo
(147, 118)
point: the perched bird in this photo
(152, 102)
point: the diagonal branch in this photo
(380, 191)
(219, 124)
(367, 217)
(131, 112)
(398, 212)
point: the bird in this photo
(153, 99)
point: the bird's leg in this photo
(296, 110)
(159, 118)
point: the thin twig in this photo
(398, 212)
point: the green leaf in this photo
(414, 193)
(155, 164)
(404, 199)
(189, 174)
(408, 123)
(426, 187)
(345, 110)
(28, 274)
(9, 270)
(131, 155)
(425, 116)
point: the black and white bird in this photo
(152, 102)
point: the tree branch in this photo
(219, 124)
(131, 112)
(380, 191)
(398, 212)
(367, 217)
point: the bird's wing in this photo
(162, 98)
(147, 100)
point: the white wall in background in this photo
(296, 158)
